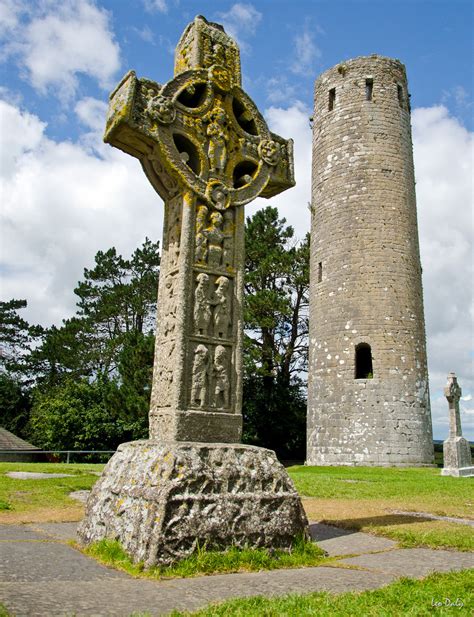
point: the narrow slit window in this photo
(369, 86)
(332, 99)
(320, 271)
(401, 100)
(363, 362)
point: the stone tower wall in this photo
(365, 273)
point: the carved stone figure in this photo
(169, 309)
(228, 241)
(222, 308)
(221, 387)
(161, 108)
(269, 151)
(200, 376)
(217, 133)
(215, 236)
(202, 307)
(201, 238)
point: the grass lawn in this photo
(404, 598)
(25, 501)
(365, 498)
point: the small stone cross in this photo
(207, 151)
(453, 394)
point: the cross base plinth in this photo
(457, 460)
(193, 425)
(161, 500)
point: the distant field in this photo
(366, 498)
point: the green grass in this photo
(367, 499)
(425, 487)
(48, 499)
(204, 561)
(4, 611)
(404, 598)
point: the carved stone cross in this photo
(207, 151)
(457, 460)
(453, 394)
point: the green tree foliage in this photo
(106, 350)
(14, 404)
(276, 323)
(116, 299)
(130, 394)
(74, 416)
(16, 338)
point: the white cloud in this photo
(91, 112)
(240, 22)
(54, 46)
(293, 122)
(145, 34)
(152, 6)
(61, 203)
(443, 165)
(443, 152)
(306, 53)
(10, 11)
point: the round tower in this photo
(368, 397)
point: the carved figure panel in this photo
(201, 237)
(222, 307)
(200, 376)
(221, 378)
(173, 233)
(169, 306)
(163, 374)
(202, 305)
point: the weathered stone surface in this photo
(366, 292)
(161, 499)
(457, 459)
(207, 151)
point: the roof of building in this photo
(9, 441)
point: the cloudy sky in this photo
(65, 195)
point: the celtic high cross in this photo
(207, 151)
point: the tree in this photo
(74, 416)
(116, 299)
(129, 395)
(15, 336)
(276, 323)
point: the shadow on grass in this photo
(327, 530)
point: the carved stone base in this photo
(459, 472)
(456, 453)
(161, 500)
(193, 425)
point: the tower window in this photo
(401, 98)
(363, 361)
(320, 271)
(332, 99)
(369, 86)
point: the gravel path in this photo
(42, 576)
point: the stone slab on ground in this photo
(30, 475)
(413, 562)
(347, 542)
(41, 575)
(121, 597)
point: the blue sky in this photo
(65, 195)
